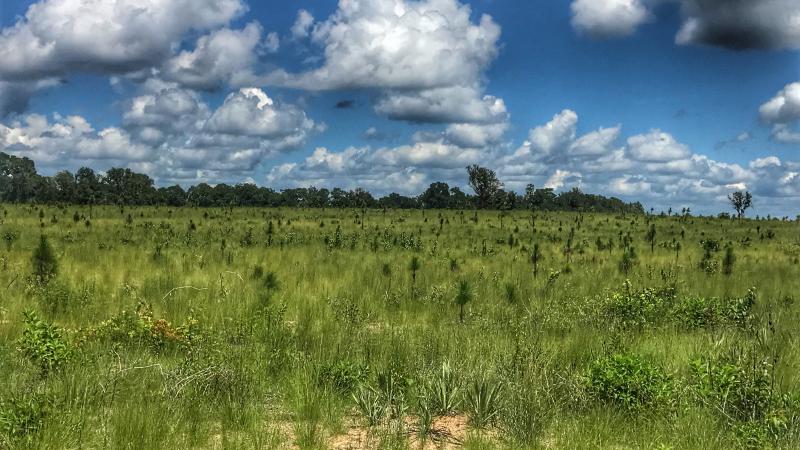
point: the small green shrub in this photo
(445, 390)
(698, 312)
(42, 343)
(484, 402)
(138, 327)
(740, 310)
(629, 381)
(370, 404)
(629, 308)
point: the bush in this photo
(630, 308)
(698, 312)
(629, 381)
(43, 344)
(740, 310)
(139, 327)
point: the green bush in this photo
(698, 312)
(43, 344)
(629, 381)
(740, 310)
(138, 327)
(636, 309)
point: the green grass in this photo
(223, 335)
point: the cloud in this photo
(272, 42)
(608, 18)
(56, 37)
(345, 104)
(250, 112)
(426, 58)
(302, 25)
(783, 112)
(730, 24)
(741, 24)
(15, 95)
(374, 134)
(782, 133)
(653, 167)
(398, 44)
(68, 139)
(170, 133)
(223, 56)
(656, 146)
(403, 168)
(468, 135)
(595, 143)
(552, 136)
(454, 104)
(784, 107)
(350, 168)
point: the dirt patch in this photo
(448, 432)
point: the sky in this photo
(673, 103)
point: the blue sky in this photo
(673, 103)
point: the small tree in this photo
(651, 237)
(414, 266)
(463, 297)
(629, 259)
(741, 201)
(45, 265)
(536, 256)
(728, 260)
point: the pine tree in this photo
(45, 265)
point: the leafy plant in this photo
(484, 402)
(370, 404)
(42, 343)
(445, 390)
(629, 381)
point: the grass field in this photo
(300, 328)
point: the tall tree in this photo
(741, 201)
(485, 184)
(437, 196)
(17, 178)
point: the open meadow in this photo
(158, 327)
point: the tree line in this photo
(20, 183)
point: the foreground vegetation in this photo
(151, 327)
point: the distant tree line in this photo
(20, 183)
